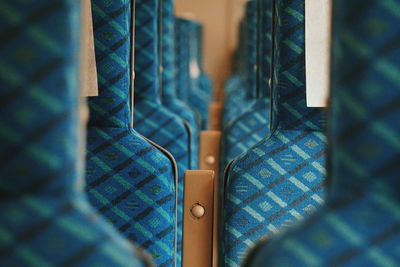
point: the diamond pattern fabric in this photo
(129, 180)
(359, 225)
(279, 180)
(46, 219)
(153, 120)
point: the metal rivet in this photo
(270, 83)
(210, 159)
(198, 211)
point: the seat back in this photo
(253, 125)
(152, 119)
(168, 85)
(201, 89)
(365, 100)
(45, 218)
(129, 180)
(359, 225)
(280, 180)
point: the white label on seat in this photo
(318, 51)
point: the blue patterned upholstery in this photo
(245, 131)
(129, 180)
(251, 46)
(192, 87)
(242, 96)
(168, 83)
(204, 83)
(279, 180)
(252, 126)
(182, 75)
(238, 60)
(359, 225)
(233, 95)
(234, 84)
(45, 217)
(151, 118)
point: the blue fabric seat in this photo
(168, 84)
(202, 84)
(233, 87)
(45, 218)
(153, 120)
(242, 95)
(359, 224)
(233, 96)
(233, 92)
(193, 88)
(130, 182)
(280, 180)
(252, 126)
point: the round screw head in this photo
(210, 159)
(198, 211)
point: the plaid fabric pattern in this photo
(152, 119)
(129, 181)
(232, 86)
(204, 82)
(189, 73)
(280, 180)
(264, 48)
(359, 225)
(289, 109)
(233, 100)
(252, 126)
(45, 218)
(251, 46)
(206, 93)
(244, 132)
(182, 75)
(244, 91)
(168, 85)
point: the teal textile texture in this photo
(359, 225)
(153, 120)
(201, 90)
(193, 85)
(168, 84)
(242, 87)
(281, 179)
(129, 181)
(252, 126)
(45, 218)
